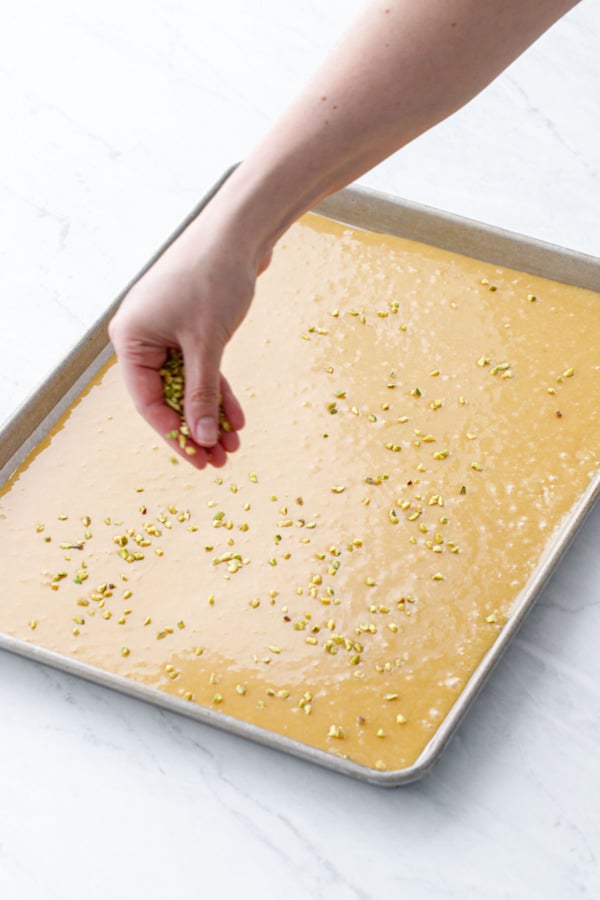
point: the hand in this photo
(193, 298)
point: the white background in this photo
(116, 116)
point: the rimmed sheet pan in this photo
(377, 212)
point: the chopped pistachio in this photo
(568, 373)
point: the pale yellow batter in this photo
(419, 424)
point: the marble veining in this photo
(116, 117)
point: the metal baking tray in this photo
(377, 212)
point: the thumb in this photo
(201, 401)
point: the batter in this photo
(419, 425)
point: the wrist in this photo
(258, 203)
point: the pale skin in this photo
(403, 66)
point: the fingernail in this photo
(206, 431)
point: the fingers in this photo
(206, 390)
(140, 362)
(146, 389)
(231, 406)
(202, 390)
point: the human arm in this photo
(402, 67)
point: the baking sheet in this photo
(379, 213)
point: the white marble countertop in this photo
(116, 117)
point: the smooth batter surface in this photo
(415, 437)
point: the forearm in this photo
(403, 66)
